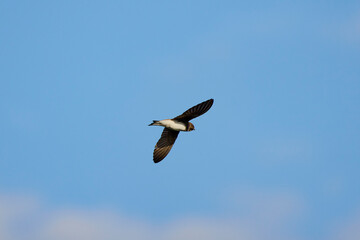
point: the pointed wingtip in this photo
(210, 100)
(157, 160)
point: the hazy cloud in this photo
(266, 217)
(250, 215)
(346, 30)
(348, 229)
(284, 150)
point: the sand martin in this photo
(174, 126)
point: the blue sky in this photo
(277, 156)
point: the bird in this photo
(173, 126)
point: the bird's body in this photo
(171, 124)
(172, 127)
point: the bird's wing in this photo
(164, 145)
(196, 111)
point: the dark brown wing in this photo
(196, 111)
(164, 145)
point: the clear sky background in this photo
(277, 156)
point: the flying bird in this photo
(174, 126)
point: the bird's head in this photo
(191, 127)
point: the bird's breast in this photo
(174, 125)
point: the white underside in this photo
(174, 125)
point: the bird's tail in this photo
(154, 123)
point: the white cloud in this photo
(266, 217)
